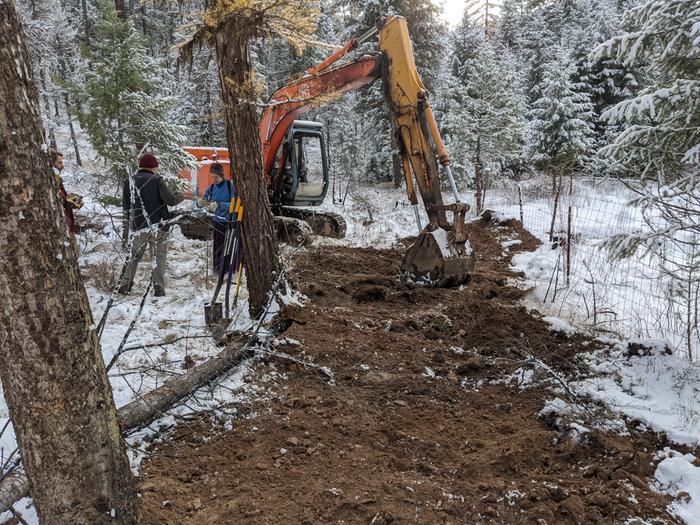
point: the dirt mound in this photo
(425, 422)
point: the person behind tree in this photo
(70, 201)
(217, 198)
(147, 206)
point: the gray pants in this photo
(158, 240)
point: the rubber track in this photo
(318, 220)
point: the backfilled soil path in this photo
(425, 422)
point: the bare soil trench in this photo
(421, 424)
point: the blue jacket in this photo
(221, 193)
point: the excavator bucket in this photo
(434, 259)
(440, 257)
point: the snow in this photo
(677, 475)
(659, 390)
(645, 378)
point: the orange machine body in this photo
(200, 177)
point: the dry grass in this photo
(102, 275)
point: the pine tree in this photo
(125, 100)
(53, 375)
(484, 106)
(663, 121)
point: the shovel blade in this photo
(213, 314)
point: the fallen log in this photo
(142, 411)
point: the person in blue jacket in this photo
(217, 198)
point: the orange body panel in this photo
(201, 176)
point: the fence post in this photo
(520, 203)
(568, 232)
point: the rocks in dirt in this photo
(471, 365)
(574, 508)
(452, 377)
(314, 290)
(369, 294)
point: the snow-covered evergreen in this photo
(560, 130)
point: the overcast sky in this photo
(453, 10)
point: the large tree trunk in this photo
(51, 367)
(143, 410)
(242, 133)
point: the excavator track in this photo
(323, 223)
(197, 225)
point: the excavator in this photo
(296, 164)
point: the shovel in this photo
(237, 234)
(213, 311)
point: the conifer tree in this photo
(125, 103)
(483, 120)
(660, 139)
(560, 127)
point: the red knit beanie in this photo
(148, 161)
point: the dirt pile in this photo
(425, 422)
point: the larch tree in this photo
(230, 26)
(53, 376)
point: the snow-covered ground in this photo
(634, 298)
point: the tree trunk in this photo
(242, 134)
(478, 179)
(86, 21)
(51, 366)
(143, 410)
(73, 138)
(120, 7)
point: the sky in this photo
(453, 10)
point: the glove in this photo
(213, 206)
(75, 200)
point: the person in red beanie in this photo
(146, 205)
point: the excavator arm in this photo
(414, 125)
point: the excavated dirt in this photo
(421, 424)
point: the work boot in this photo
(124, 289)
(158, 291)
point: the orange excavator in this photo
(296, 164)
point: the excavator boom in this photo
(441, 255)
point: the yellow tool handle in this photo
(238, 280)
(235, 204)
(240, 212)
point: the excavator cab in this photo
(303, 159)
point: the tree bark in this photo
(142, 411)
(242, 134)
(51, 366)
(86, 21)
(120, 7)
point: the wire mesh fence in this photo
(653, 294)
